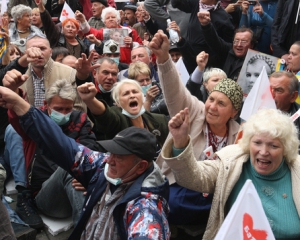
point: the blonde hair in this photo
(138, 68)
(118, 85)
(275, 124)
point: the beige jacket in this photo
(53, 71)
(218, 177)
(177, 97)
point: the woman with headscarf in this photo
(212, 128)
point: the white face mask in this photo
(103, 90)
(114, 181)
(118, 181)
(146, 88)
(124, 112)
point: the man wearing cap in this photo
(97, 7)
(129, 13)
(126, 192)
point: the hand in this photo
(258, 9)
(80, 17)
(202, 59)
(5, 23)
(33, 54)
(78, 186)
(230, 8)
(40, 5)
(179, 127)
(14, 79)
(61, 1)
(93, 39)
(204, 18)
(245, 7)
(5, 36)
(152, 93)
(285, 57)
(145, 15)
(174, 26)
(84, 66)
(11, 100)
(160, 45)
(128, 40)
(87, 91)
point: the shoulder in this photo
(231, 153)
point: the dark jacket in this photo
(113, 121)
(195, 41)
(197, 90)
(87, 167)
(3, 111)
(38, 166)
(54, 35)
(231, 63)
(283, 35)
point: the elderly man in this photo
(142, 54)
(97, 7)
(284, 87)
(126, 192)
(44, 178)
(231, 54)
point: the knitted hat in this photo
(232, 90)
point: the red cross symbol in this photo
(65, 13)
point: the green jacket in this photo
(112, 121)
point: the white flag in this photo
(260, 97)
(66, 12)
(183, 73)
(246, 219)
(3, 6)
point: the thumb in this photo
(187, 116)
(24, 78)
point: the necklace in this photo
(213, 139)
(19, 31)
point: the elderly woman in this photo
(212, 128)
(202, 82)
(129, 111)
(154, 99)
(22, 28)
(111, 19)
(67, 38)
(267, 154)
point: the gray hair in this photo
(209, 72)
(145, 47)
(294, 83)
(62, 88)
(280, 127)
(106, 59)
(118, 85)
(19, 10)
(110, 10)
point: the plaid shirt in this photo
(38, 89)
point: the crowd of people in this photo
(96, 123)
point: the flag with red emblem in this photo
(246, 219)
(66, 12)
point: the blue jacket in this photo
(149, 189)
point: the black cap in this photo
(131, 6)
(104, 2)
(132, 140)
(173, 46)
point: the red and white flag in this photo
(66, 12)
(246, 219)
(260, 97)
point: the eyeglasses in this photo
(36, 34)
(241, 42)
